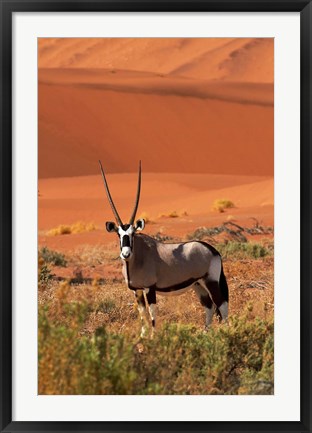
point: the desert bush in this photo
(78, 227)
(233, 231)
(229, 359)
(44, 274)
(221, 204)
(53, 257)
(202, 232)
(173, 214)
(242, 250)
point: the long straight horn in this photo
(118, 219)
(137, 197)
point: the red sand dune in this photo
(195, 105)
(197, 112)
(234, 59)
(68, 200)
(177, 127)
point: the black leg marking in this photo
(151, 296)
(215, 291)
(203, 296)
(151, 299)
(206, 301)
(220, 295)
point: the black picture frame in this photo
(8, 7)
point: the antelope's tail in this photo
(224, 286)
(224, 291)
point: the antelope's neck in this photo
(133, 266)
(127, 272)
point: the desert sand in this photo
(199, 113)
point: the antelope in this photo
(152, 268)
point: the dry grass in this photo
(74, 316)
(250, 282)
(220, 205)
(173, 214)
(67, 229)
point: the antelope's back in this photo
(185, 261)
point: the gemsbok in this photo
(151, 267)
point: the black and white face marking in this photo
(126, 233)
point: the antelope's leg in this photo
(217, 287)
(206, 302)
(219, 297)
(139, 296)
(150, 299)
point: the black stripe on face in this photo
(125, 241)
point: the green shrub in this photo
(44, 275)
(228, 359)
(50, 256)
(242, 250)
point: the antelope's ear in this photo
(140, 224)
(111, 227)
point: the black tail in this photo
(223, 286)
(224, 291)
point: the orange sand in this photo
(67, 200)
(233, 59)
(197, 112)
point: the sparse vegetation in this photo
(89, 325)
(44, 274)
(242, 250)
(78, 227)
(232, 230)
(173, 214)
(220, 205)
(181, 359)
(53, 257)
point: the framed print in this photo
(155, 216)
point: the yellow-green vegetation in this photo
(89, 328)
(53, 257)
(173, 214)
(181, 359)
(44, 273)
(67, 229)
(220, 205)
(243, 250)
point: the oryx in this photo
(151, 267)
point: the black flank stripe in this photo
(178, 286)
